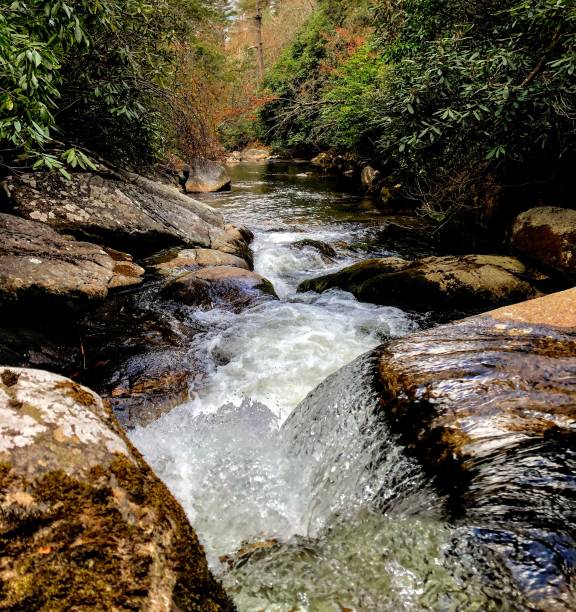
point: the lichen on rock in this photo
(84, 522)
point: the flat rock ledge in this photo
(39, 266)
(488, 404)
(85, 523)
(126, 212)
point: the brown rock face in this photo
(206, 176)
(488, 405)
(473, 282)
(126, 272)
(547, 236)
(223, 286)
(39, 266)
(132, 213)
(176, 259)
(85, 523)
(369, 178)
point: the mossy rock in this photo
(471, 282)
(85, 523)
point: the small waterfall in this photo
(352, 460)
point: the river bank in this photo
(203, 364)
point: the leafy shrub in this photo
(96, 73)
(442, 93)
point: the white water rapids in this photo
(242, 479)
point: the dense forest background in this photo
(452, 99)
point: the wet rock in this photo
(40, 267)
(177, 259)
(126, 272)
(143, 387)
(135, 355)
(51, 348)
(547, 236)
(85, 523)
(391, 197)
(126, 212)
(239, 232)
(488, 406)
(323, 248)
(354, 276)
(472, 282)
(206, 176)
(232, 241)
(222, 286)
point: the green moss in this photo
(93, 544)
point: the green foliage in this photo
(349, 99)
(483, 93)
(441, 91)
(99, 73)
(288, 119)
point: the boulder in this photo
(206, 176)
(126, 212)
(222, 286)
(40, 267)
(487, 405)
(327, 252)
(255, 154)
(471, 282)
(232, 241)
(547, 236)
(85, 523)
(239, 232)
(352, 277)
(175, 259)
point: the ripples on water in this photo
(356, 524)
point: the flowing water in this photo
(316, 508)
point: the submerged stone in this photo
(85, 524)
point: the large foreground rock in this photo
(85, 523)
(206, 176)
(128, 212)
(547, 236)
(488, 405)
(40, 267)
(471, 282)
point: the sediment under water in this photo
(326, 510)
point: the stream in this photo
(303, 501)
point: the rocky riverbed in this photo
(203, 337)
